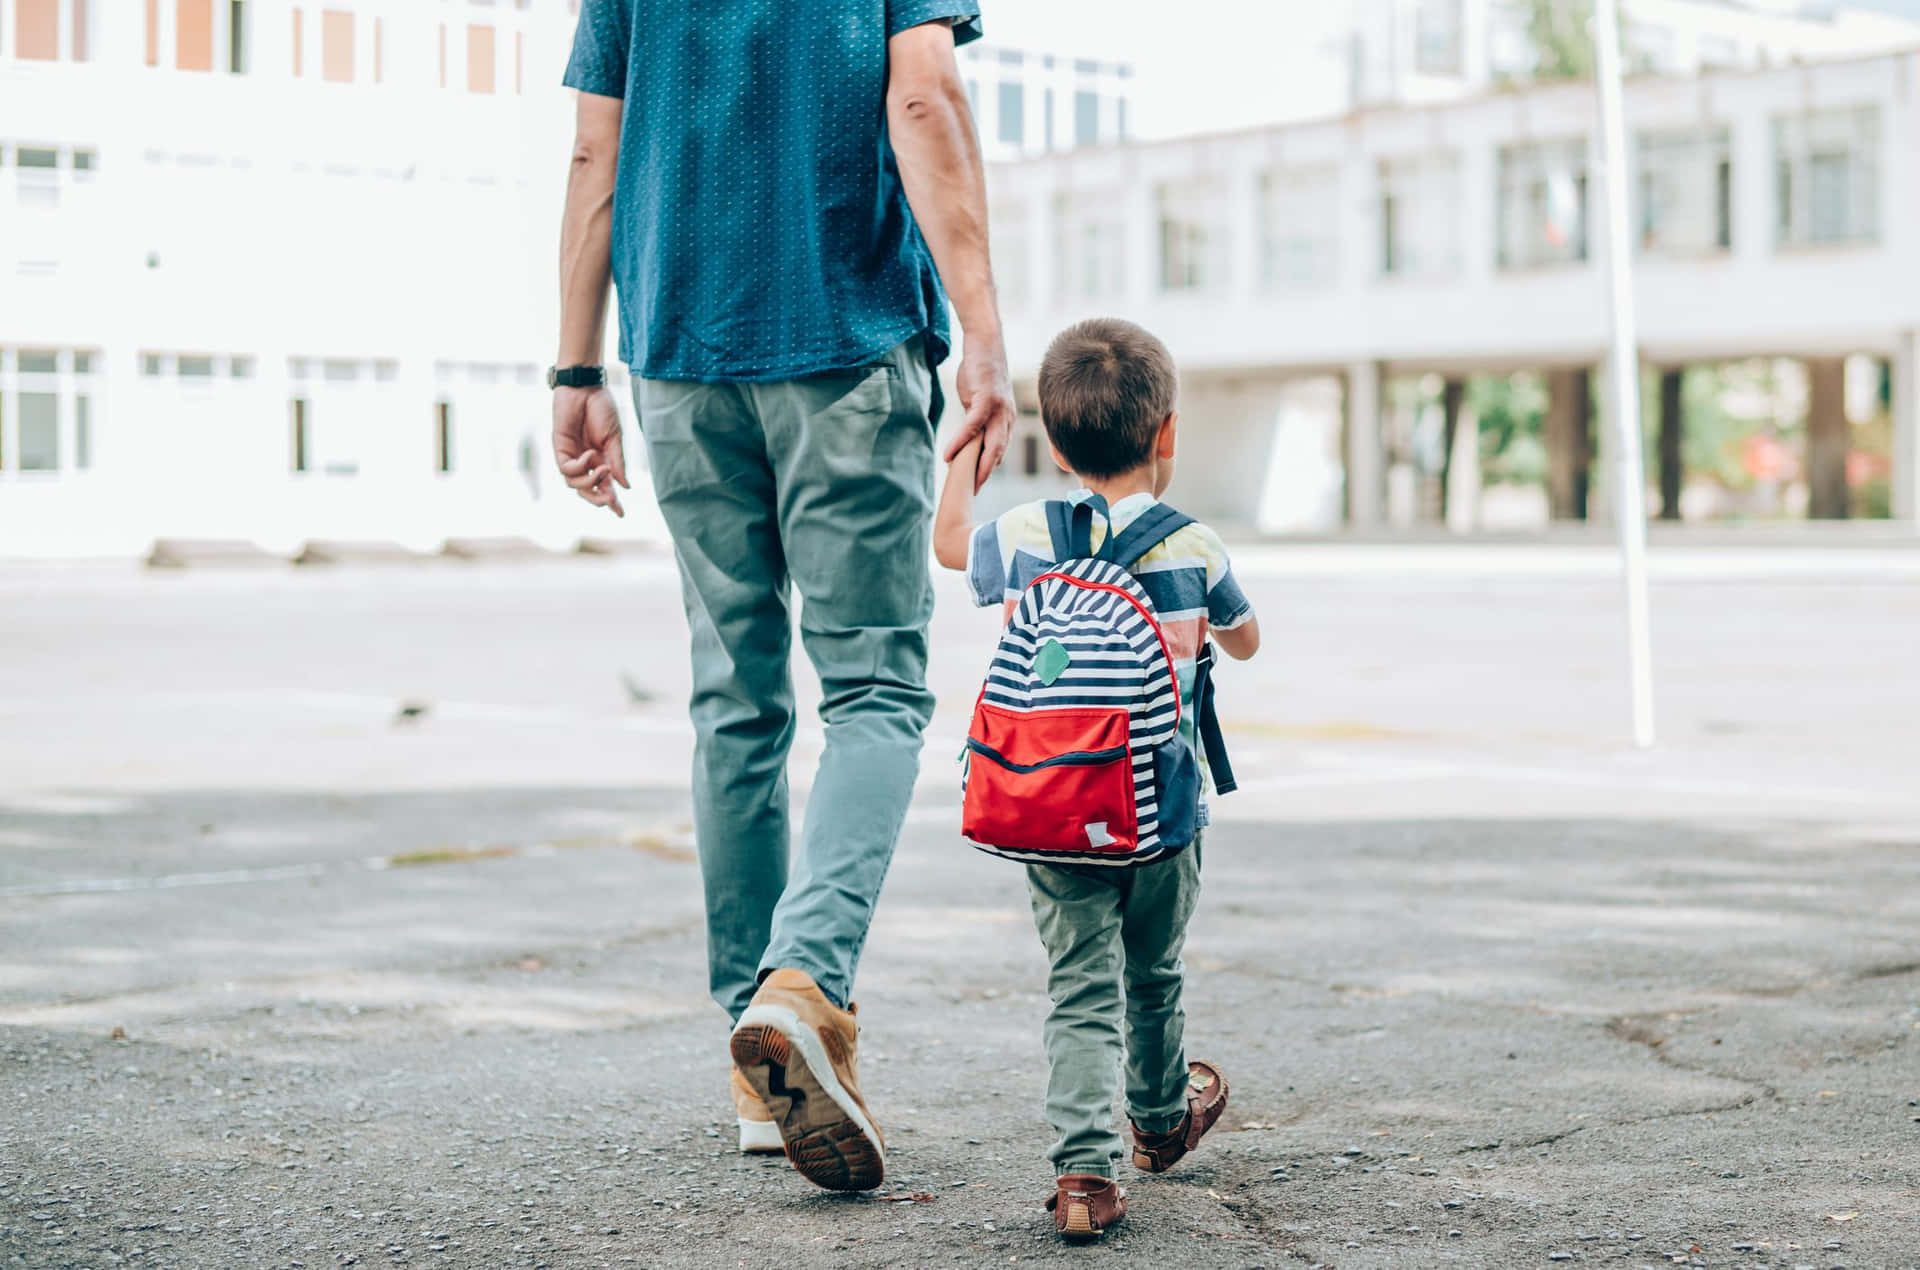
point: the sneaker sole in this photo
(760, 1137)
(826, 1135)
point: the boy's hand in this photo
(586, 444)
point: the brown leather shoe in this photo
(1084, 1205)
(796, 1050)
(1206, 1099)
(759, 1135)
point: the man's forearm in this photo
(586, 257)
(939, 157)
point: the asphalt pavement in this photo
(350, 917)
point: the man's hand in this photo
(986, 392)
(586, 444)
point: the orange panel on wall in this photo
(193, 36)
(153, 32)
(336, 46)
(36, 30)
(479, 58)
(299, 43)
(79, 30)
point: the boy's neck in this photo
(1125, 485)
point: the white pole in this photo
(1624, 364)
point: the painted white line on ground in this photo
(172, 881)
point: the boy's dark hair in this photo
(1106, 386)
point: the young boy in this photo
(1107, 399)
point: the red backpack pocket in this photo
(1057, 780)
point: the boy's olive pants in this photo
(822, 485)
(1114, 938)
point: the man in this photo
(771, 186)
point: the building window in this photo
(240, 368)
(479, 58)
(1086, 118)
(1436, 37)
(195, 366)
(443, 437)
(39, 431)
(1012, 263)
(1419, 216)
(1013, 113)
(1047, 121)
(1030, 456)
(1827, 177)
(300, 439)
(1090, 246)
(1299, 226)
(1192, 241)
(82, 432)
(193, 35)
(1686, 190)
(1120, 132)
(238, 42)
(336, 46)
(1541, 211)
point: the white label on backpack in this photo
(1097, 834)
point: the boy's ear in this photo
(1059, 460)
(1163, 445)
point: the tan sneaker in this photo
(758, 1134)
(796, 1050)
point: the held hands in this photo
(586, 445)
(986, 392)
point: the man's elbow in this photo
(924, 101)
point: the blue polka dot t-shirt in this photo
(760, 231)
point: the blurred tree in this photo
(1562, 38)
(1512, 410)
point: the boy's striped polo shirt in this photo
(1188, 577)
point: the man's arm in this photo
(931, 127)
(953, 522)
(586, 423)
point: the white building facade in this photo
(1777, 212)
(265, 272)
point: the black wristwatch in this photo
(576, 376)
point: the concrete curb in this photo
(180, 553)
(495, 549)
(325, 552)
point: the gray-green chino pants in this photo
(1113, 937)
(821, 485)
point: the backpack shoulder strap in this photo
(1071, 527)
(1151, 528)
(1211, 735)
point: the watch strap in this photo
(576, 376)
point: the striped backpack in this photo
(1075, 754)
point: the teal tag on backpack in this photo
(1051, 662)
